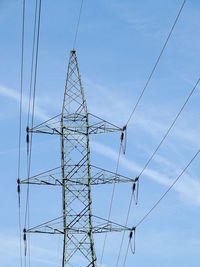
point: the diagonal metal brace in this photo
(73, 125)
(99, 176)
(100, 225)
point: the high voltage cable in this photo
(166, 192)
(29, 107)
(32, 122)
(111, 202)
(156, 64)
(77, 27)
(134, 109)
(123, 235)
(130, 117)
(20, 126)
(20, 230)
(171, 126)
(29, 146)
(33, 106)
(154, 153)
(171, 186)
(127, 249)
(32, 62)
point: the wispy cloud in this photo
(14, 95)
(144, 24)
(42, 254)
(188, 187)
(108, 105)
(110, 102)
(9, 247)
(172, 240)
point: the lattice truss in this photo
(76, 175)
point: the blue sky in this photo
(117, 46)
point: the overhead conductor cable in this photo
(20, 129)
(27, 218)
(164, 195)
(133, 111)
(32, 63)
(157, 148)
(29, 108)
(156, 64)
(112, 198)
(77, 27)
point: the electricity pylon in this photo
(76, 174)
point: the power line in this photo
(166, 192)
(77, 27)
(154, 153)
(32, 62)
(20, 126)
(112, 197)
(20, 230)
(171, 126)
(130, 245)
(21, 92)
(29, 146)
(123, 235)
(29, 106)
(133, 111)
(156, 64)
(171, 186)
(33, 106)
(27, 217)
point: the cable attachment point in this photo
(133, 191)
(124, 139)
(132, 233)
(25, 242)
(18, 185)
(18, 190)
(133, 187)
(137, 189)
(27, 139)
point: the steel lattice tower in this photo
(76, 174)
(75, 149)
